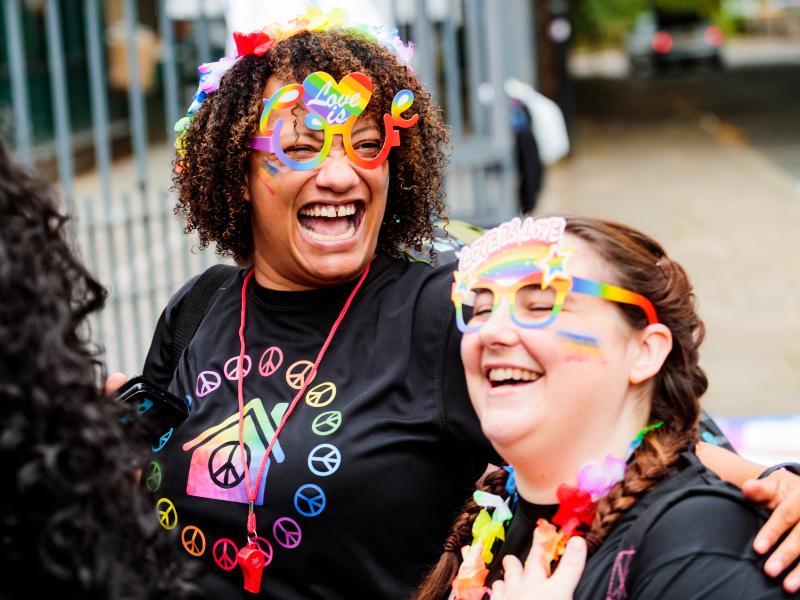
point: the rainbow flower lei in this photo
(259, 42)
(576, 509)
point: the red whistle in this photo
(251, 560)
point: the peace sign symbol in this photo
(309, 500)
(296, 374)
(167, 515)
(162, 441)
(326, 423)
(193, 540)
(225, 466)
(287, 532)
(321, 394)
(207, 382)
(153, 480)
(225, 551)
(270, 361)
(232, 366)
(264, 545)
(324, 460)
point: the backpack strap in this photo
(193, 308)
(634, 535)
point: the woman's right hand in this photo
(531, 581)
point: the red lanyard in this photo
(253, 493)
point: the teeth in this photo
(351, 230)
(329, 211)
(507, 374)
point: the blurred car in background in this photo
(663, 40)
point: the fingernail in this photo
(773, 567)
(577, 544)
(792, 583)
(761, 545)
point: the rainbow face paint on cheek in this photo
(268, 172)
(579, 347)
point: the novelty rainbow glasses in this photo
(533, 302)
(333, 109)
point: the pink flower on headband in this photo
(255, 42)
(211, 73)
(598, 480)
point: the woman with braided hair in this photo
(581, 356)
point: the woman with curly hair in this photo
(74, 523)
(581, 358)
(331, 438)
(338, 335)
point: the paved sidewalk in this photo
(731, 218)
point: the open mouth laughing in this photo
(324, 222)
(510, 376)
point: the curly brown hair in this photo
(640, 264)
(210, 176)
(73, 522)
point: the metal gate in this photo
(94, 87)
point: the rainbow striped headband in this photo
(519, 253)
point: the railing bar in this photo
(171, 102)
(423, 46)
(201, 37)
(111, 255)
(163, 219)
(136, 106)
(60, 98)
(472, 34)
(452, 75)
(134, 297)
(147, 224)
(19, 81)
(97, 84)
(91, 236)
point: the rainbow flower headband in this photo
(520, 253)
(259, 43)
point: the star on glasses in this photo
(553, 265)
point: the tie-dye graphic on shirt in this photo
(216, 469)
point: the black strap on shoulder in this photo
(193, 308)
(633, 536)
(639, 528)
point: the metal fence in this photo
(112, 148)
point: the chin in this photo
(504, 429)
(339, 267)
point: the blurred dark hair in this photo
(74, 523)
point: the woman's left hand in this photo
(531, 581)
(781, 493)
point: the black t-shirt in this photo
(372, 466)
(700, 548)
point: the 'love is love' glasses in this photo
(333, 109)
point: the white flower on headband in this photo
(213, 73)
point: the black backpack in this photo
(632, 538)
